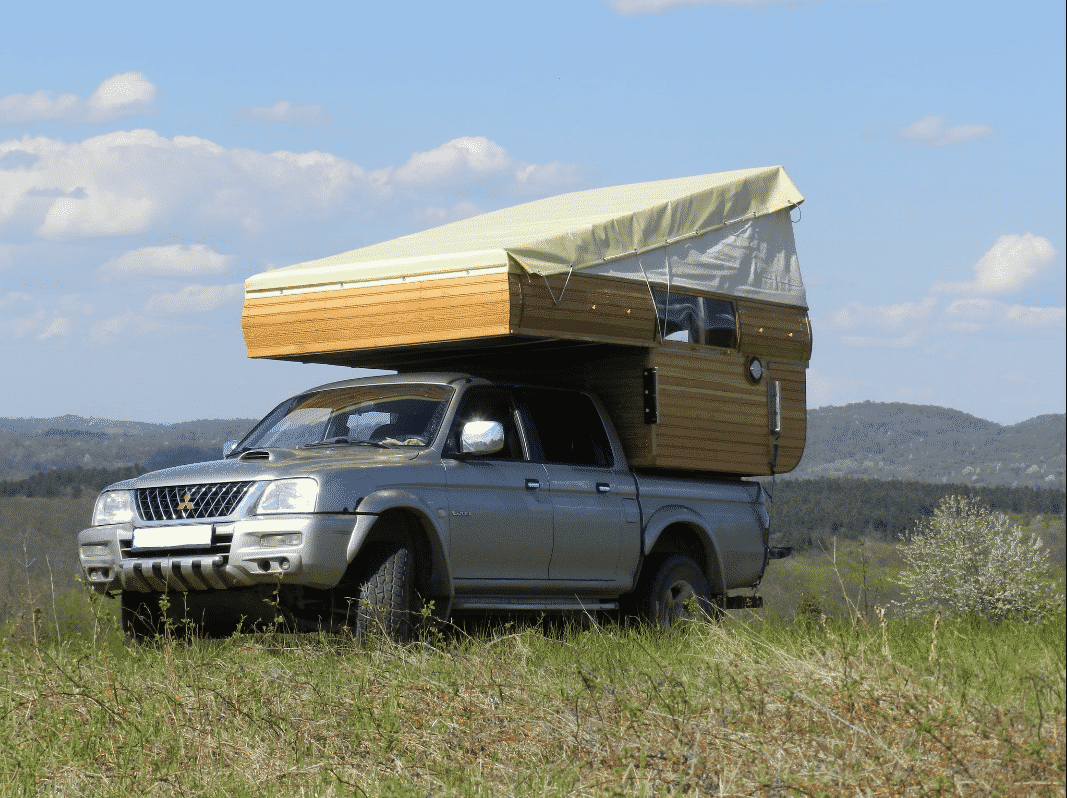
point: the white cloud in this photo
(547, 178)
(932, 130)
(906, 341)
(285, 113)
(433, 216)
(14, 160)
(977, 314)
(48, 319)
(58, 328)
(130, 326)
(889, 317)
(195, 299)
(124, 183)
(472, 159)
(1036, 318)
(119, 95)
(628, 7)
(129, 182)
(1011, 263)
(12, 297)
(40, 105)
(175, 260)
(8, 255)
(457, 161)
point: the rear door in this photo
(588, 487)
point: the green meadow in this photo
(828, 691)
(740, 707)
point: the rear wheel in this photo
(385, 593)
(673, 590)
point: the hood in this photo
(266, 464)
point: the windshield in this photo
(379, 415)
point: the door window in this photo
(569, 428)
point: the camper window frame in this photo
(699, 309)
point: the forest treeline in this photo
(804, 512)
(807, 512)
(67, 482)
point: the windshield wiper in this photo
(348, 441)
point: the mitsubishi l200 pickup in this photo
(358, 502)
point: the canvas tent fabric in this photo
(727, 233)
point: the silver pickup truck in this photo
(358, 502)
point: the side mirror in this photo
(228, 447)
(481, 437)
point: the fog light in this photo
(284, 563)
(280, 539)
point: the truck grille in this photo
(177, 502)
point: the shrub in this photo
(967, 559)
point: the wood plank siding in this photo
(586, 308)
(419, 312)
(769, 330)
(597, 333)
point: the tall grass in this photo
(820, 695)
(743, 707)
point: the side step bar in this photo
(529, 604)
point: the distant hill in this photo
(29, 446)
(891, 440)
(873, 440)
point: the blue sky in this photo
(153, 157)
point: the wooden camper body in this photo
(676, 405)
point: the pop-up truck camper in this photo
(679, 303)
(584, 383)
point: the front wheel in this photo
(675, 591)
(386, 593)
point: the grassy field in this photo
(743, 707)
(819, 694)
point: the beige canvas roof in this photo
(727, 232)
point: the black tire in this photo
(386, 593)
(141, 616)
(673, 590)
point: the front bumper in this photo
(236, 557)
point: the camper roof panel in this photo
(728, 233)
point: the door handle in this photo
(603, 487)
(532, 484)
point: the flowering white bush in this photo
(967, 559)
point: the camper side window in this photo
(696, 319)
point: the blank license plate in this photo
(166, 537)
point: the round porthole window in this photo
(755, 369)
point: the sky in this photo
(153, 156)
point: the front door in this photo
(500, 506)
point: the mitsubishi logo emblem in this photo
(186, 505)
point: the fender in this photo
(680, 514)
(378, 502)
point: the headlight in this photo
(113, 507)
(289, 496)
